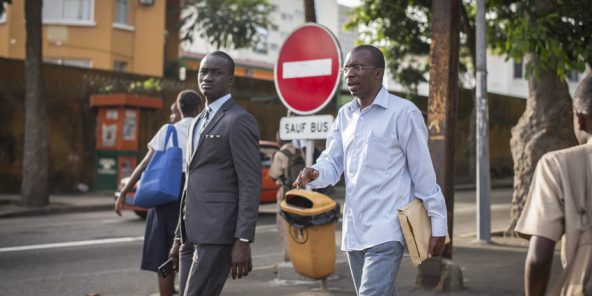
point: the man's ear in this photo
(379, 73)
(580, 121)
(231, 81)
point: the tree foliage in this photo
(558, 32)
(402, 29)
(226, 23)
(560, 29)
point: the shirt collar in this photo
(381, 100)
(218, 103)
(187, 118)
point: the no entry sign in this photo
(307, 70)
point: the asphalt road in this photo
(98, 252)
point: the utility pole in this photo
(442, 110)
(483, 178)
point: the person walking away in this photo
(559, 205)
(162, 220)
(379, 142)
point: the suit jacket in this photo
(221, 196)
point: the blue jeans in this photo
(374, 270)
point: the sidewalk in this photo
(58, 204)
(488, 269)
(99, 201)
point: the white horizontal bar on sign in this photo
(308, 68)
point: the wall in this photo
(70, 119)
(141, 45)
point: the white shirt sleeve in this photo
(157, 142)
(330, 162)
(413, 136)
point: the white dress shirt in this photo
(383, 153)
(214, 107)
(182, 127)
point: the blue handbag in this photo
(161, 181)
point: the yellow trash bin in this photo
(310, 229)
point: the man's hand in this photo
(174, 253)
(241, 259)
(436, 247)
(306, 175)
(120, 202)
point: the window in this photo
(273, 46)
(121, 12)
(261, 48)
(518, 70)
(573, 76)
(119, 66)
(3, 16)
(287, 17)
(274, 27)
(80, 63)
(68, 11)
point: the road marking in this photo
(260, 229)
(308, 68)
(73, 244)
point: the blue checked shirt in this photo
(383, 153)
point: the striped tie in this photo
(205, 118)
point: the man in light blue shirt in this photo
(379, 142)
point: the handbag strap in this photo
(171, 131)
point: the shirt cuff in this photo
(439, 226)
(244, 240)
(316, 183)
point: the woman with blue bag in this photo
(158, 184)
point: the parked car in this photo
(268, 186)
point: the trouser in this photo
(205, 273)
(374, 270)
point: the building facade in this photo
(258, 62)
(117, 35)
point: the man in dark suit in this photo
(221, 199)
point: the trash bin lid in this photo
(306, 203)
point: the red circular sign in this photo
(307, 71)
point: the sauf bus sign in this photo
(306, 78)
(305, 127)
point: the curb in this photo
(54, 209)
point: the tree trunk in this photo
(309, 11)
(546, 125)
(34, 187)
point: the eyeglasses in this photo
(355, 68)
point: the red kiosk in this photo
(117, 135)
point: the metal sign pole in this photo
(309, 155)
(483, 179)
